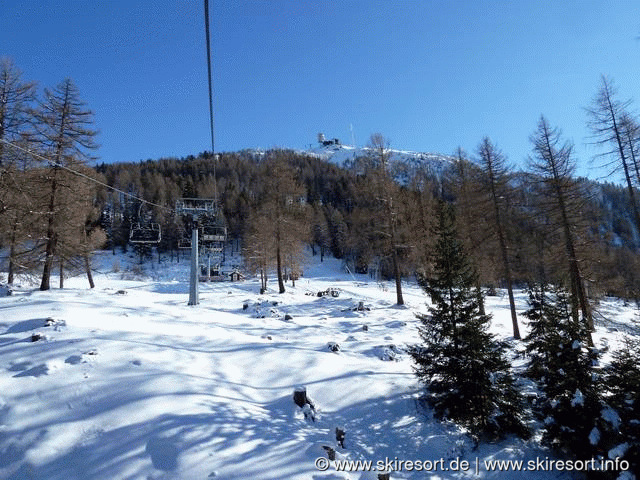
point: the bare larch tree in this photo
(496, 177)
(63, 126)
(554, 166)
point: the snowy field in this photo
(128, 382)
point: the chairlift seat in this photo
(212, 232)
(145, 233)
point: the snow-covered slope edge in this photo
(410, 162)
(131, 383)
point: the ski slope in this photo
(128, 382)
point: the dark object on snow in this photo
(49, 322)
(361, 307)
(340, 436)
(288, 317)
(121, 292)
(333, 292)
(491, 291)
(300, 396)
(308, 407)
(384, 476)
(262, 290)
(365, 328)
(333, 346)
(275, 304)
(245, 306)
(309, 413)
(331, 453)
(35, 337)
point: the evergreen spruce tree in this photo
(623, 382)
(565, 369)
(543, 341)
(462, 365)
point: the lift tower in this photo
(197, 209)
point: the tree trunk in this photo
(507, 273)
(61, 273)
(87, 266)
(279, 265)
(480, 299)
(396, 273)
(12, 252)
(577, 288)
(87, 260)
(48, 261)
(50, 248)
(11, 265)
(503, 246)
(263, 279)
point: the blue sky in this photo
(429, 75)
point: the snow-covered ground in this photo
(129, 382)
(341, 154)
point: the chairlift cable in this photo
(80, 174)
(210, 79)
(130, 195)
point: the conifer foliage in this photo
(623, 382)
(463, 367)
(565, 369)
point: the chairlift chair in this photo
(213, 233)
(145, 233)
(184, 242)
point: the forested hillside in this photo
(460, 228)
(375, 211)
(344, 213)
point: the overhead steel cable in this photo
(210, 79)
(211, 123)
(83, 175)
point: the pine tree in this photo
(566, 372)
(462, 365)
(623, 382)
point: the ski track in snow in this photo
(138, 385)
